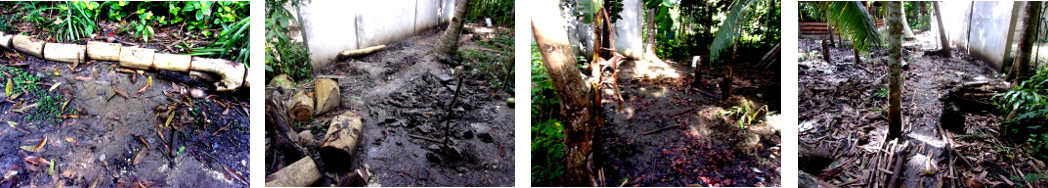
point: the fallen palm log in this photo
(341, 140)
(103, 51)
(358, 52)
(5, 40)
(302, 173)
(976, 96)
(69, 53)
(173, 62)
(302, 106)
(29, 45)
(327, 95)
(230, 75)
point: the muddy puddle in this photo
(403, 98)
(670, 134)
(111, 131)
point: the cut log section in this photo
(138, 58)
(172, 62)
(203, 76)
(302, 173)
(5, 40)
(29, 45)
(341, 140)
(301, 106)
(69, 53)
(103, 51)
(327, 95)
(358, 52)
(231, 74)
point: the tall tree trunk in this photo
(942, 30)
(447, 47)
(895, 23)
(907, 32)
(1021, 63)
(650, 50)
(577, 108)
(1011, 35)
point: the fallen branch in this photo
(661, 129)
(425, 138)
(359, 52)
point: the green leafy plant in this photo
(494, 66)
(284, 56)
(76, 20)
(500, 12)
(1030, 178)
(233, 42)
(1027, 108)
(547, 148)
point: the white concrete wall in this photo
(628, 39)
(987, 28)
(333, 26)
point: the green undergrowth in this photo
(50, 106)
(547, 132)
(494, 66)
(283, 54)
(1027, 108)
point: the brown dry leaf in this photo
(39, 161)
(71, 140)
(148, 83)
(83, 78)
(37, 147)
(122, 93)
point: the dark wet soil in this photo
(105, 145)
(697, 143)
(400, 92)
(842, 115)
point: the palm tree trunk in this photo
(1021, 63)
(942, 31)
(577, 108)
(895, 23)
(905, 24)
(447, 47)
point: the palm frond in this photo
(851, 20)
(729, 28)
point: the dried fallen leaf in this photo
(54, 86)
(71, 140)
(148, 83)
(83, 78)
(122, 93)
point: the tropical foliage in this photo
(284, 55)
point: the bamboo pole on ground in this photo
(231, 74)
(138, 58)
(302, 173)
(5, 40)
(103, 51)
(172, 62)
(29, 45)
(358, 52)
(69, 53)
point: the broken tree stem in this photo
(447, 120)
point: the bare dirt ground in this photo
(669, 134)
(843, 124)
(122, 141)
(400, 92)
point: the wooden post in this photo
(302, 173)
(302, 106)
(341, 140)
(327, 95)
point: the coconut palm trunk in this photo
(907, 32)
(447, 47)
(578, 108)
(896, 27)
(1021, 63)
